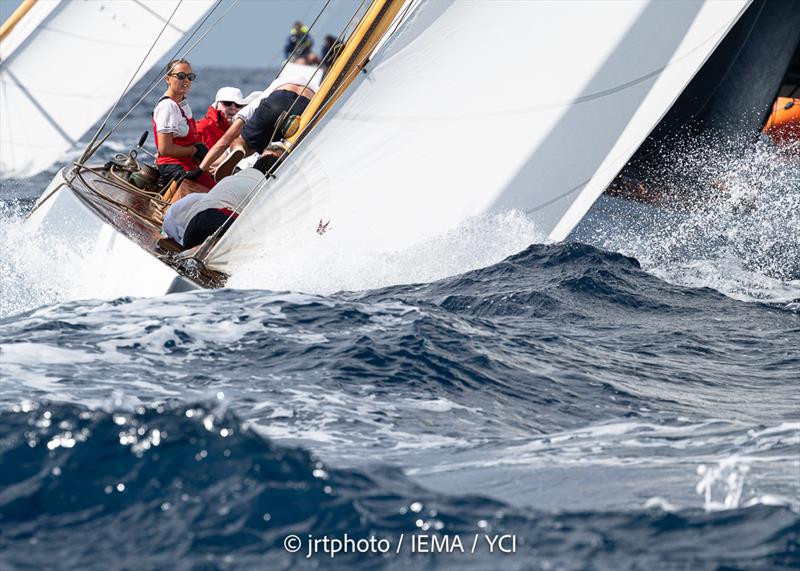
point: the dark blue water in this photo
(561, 407)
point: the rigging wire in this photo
(90, 151)
(321, 61)
(183, 44)
(155, 81)
(130, 81)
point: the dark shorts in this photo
(172, 171)
(169, 172)
(204, 224)
(261, 130)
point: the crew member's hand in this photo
(194, 174)
(200, 153)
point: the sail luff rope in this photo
(86, 153)
(319, 65)
(157, 79)
(15, 18)
(291, 55)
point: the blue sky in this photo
(254, 32)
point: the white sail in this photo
(476, 107)
(66, 63)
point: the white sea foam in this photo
(659, 503)
(42, 354)
(722, 485)
(742, 237)
(478, 242)
(310, 413)
(36, 270)
(28, 276)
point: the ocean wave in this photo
(557, 336)
(191, 487)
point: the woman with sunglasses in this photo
(220, 114)
(180, 148)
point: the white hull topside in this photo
(108, 263)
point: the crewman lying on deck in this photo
(256, 126)
(220, 114)
(197, 216)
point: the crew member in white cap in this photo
(228, 102)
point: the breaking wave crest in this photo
(731, 220)
(31, 272)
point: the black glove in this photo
(194, 174)
(200, 153)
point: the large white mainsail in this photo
(66, 62)
(475, 107)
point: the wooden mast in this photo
(350, 62)
(15, 18)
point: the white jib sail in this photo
(66, 63)
(476, 107)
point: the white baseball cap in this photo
(230, 94)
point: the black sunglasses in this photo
(229, 103)
(181, 75)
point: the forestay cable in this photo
(130, 81)
(89, 152)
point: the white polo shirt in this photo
(168, 117)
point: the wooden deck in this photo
(136, 216)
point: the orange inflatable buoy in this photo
(783, 125)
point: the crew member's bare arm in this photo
(233, 132)
(224, 142)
